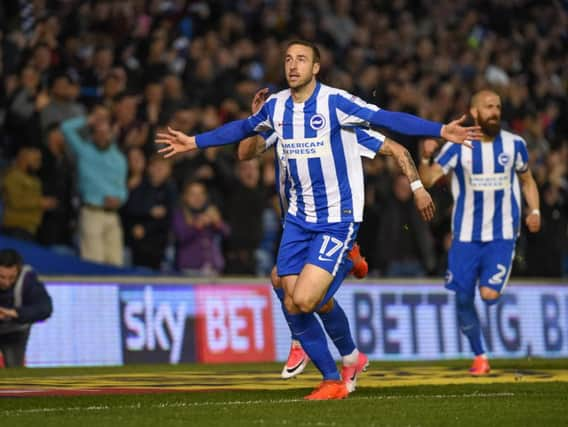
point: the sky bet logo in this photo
(234, 324)
(157, 324)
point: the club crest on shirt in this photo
(317, 122)
(503, 159)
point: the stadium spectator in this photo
(271, 218)
(62, 105)
(102, 174)
(93, 78)
(23, 301)
(213, 167)
(174, 97)
(24, 203)
(131, 132)
(114, 84)
(136, 167)
(24, 103)
(378, 185)
(151, 109)
(405, 245)
(147, 214)
(41, 60)
(198, 230)
(545, 251)
(57, 174)
(245, 204)
(421, 57)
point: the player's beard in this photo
(490, 126)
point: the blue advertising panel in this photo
(84, 329)
(418, 322)
(115, 323)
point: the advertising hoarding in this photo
(117, 323)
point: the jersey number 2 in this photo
(497, 278)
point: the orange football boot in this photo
(360, 266)
(297, 361)
(349, 374)
(480, 366)
(329, 390)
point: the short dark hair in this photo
(193, 181)
(123, 95)
(51, 127)
(315, 49)
(10, 258)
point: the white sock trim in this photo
(351, 359)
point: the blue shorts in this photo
(325, 245)
(490, 262)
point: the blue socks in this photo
(335, 321)
(308, 331)
(341, 274)
(337, 327)
(280, 294)
(306, 328)
(469, 321)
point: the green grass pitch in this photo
(517, 393)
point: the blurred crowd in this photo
(86, 85)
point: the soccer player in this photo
(340, 334)
(332, 315)
(311, 122)
(486, 212)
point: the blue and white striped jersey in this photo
(485, 187)
(367, 140)
(321, 151)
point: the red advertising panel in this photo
(234, 324)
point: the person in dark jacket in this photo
(23, 301)
(405, 245)
(147, 214)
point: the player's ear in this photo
(473, 113)
(316, 68)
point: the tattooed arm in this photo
(422, 198)
(402, 157)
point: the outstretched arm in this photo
(406, 124)
(230, 133)
(530, 191)
(422, 198)
(177, 142)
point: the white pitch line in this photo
(19, 412)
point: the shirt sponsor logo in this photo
(481, 182)
(306, 148)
